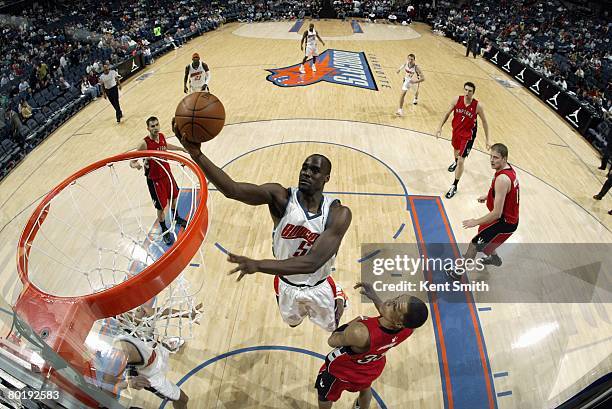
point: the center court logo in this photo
(335, 66)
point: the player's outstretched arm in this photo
(353, 334)
(368, 290)
(324, 248)
(134, 162)
(272, 194)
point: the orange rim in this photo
(149, 282)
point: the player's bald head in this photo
(326, 165)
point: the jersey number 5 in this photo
(303, 248)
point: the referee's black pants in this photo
(606, 187)
(113, 97)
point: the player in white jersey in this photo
(198, 74)
(310, 37)
(308, 229)
(146, 364)
(410, 70)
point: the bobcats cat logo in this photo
(335, 66)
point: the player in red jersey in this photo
(464, 108)
(360, 347)
(502, 200)
(160, 181)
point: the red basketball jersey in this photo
(154, 169)
(364, 368)
(511, 205)
(464, 118)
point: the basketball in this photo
(199, 117)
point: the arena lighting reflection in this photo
(535, 335)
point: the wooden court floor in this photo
(536, 355)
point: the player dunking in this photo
(410, 70)
(161, 183)
(360, 347)
(198, 74)
(310, 37)
(502, 200)
(308, 229)
(464, 108)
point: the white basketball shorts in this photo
(311, 51)
(317, 303)
(406, 85)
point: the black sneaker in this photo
(181, 222)
(452, 167)
(452, 275)
(168, 239)
(493, 259)
(451, 192)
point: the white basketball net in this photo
(102, 229)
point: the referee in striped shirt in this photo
(110, 88)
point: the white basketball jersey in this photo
(297, 231)
(409, 71)
(196, 75)
(311, 38)
(145, 348)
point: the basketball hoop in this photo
(127, 274)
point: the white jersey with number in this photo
(297, 231)
(197, 76)
(311, 38)
(409, 73)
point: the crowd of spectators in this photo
(57, 51)
(573, 47)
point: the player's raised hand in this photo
(138, 382)
(192, 148)
(244, 266)
(366, 289)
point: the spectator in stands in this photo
(63, 84)
(25, 110)
(23, 86)
(148, 57)
(169, 40)
(14, 123)
(88, 89)
(95, 82)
